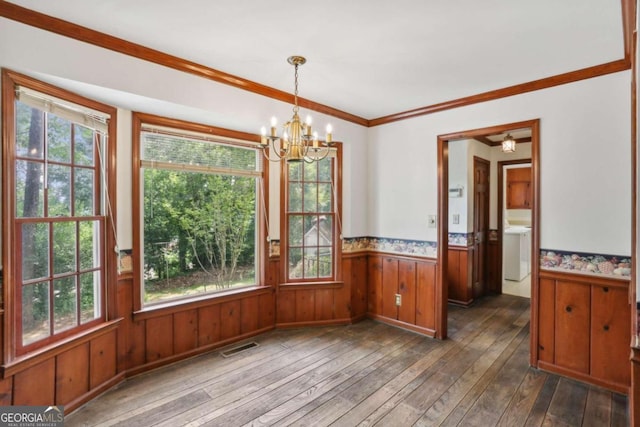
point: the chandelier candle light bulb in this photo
(263, 135)
(308, 126)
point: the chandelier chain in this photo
(295, 93)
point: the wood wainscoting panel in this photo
(286, 305)
(583, 328)
(323, 304)
(426, 295)
(609, 327)
(123, 310)
(185, 331)
(272, 275)
(407, 291)
(159, 338)
(374, 285)
(6, 391)
(546, 328)
(102, 359)
(208, 325)
(230, 319)
(137, 344)
(266, 309)
(358, 286)
(341, 300)
(634, 393)
(305, 305)
(389, 287)
(573, 315)
(35, 385)
(72, 374)
(249, 314)
(413, 278)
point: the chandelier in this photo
(508, 144)
(297, 142)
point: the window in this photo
(311, 220)
(200, 209)
(58, 202)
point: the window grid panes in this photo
(310, 221)
(59, 226)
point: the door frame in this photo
(443, 223)
(501, 191)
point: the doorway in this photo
(492, 238)
(514, 214)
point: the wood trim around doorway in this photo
(443, 223)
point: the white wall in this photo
(585, 169)
(390, 171)
(135, 85)
(459, 178)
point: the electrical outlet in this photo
(456, 218)
(398, 300)
(431, 221)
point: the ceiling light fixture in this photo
(297, 142)
(508, 144)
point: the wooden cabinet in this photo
(401, 291)
(459, 275)
(518, 193)
(584, 329)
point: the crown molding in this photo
(560, 79)
(106, 41)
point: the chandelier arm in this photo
(317, 159)
(268, 156)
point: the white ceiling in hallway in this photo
(370, 58)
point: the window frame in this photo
(139, 120)
(337, 225)
(12, 257)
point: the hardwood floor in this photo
(366, 374)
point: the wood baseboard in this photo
(92, 394)
(414, 328)
(580, 376)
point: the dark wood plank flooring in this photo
(366, 374)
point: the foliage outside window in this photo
(58, 221)
(311, 220)
(199, 216)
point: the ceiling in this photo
(370, 58)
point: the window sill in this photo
(176, 306)
(40, 355)
(315, 285)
